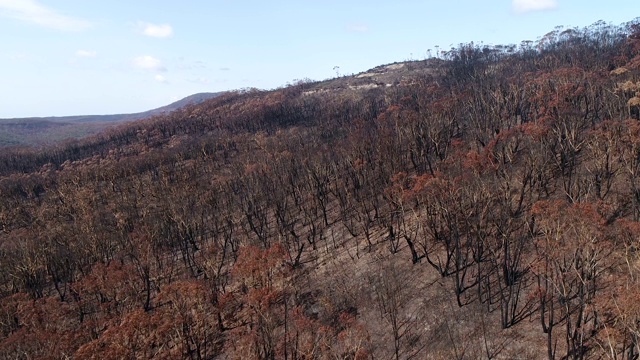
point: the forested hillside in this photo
(43, 131)
(485, 206)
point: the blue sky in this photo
(70, 57)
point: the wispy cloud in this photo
(525, 6)
(147, 62)
(358, 28)
(18, 56)
(200, 80)
(153, 30)
(161, 79)
(86, 53)
(185, 64)
(33, 12)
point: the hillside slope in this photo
(49, 130)
(481, 205)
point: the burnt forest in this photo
(480, 204)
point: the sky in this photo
(79, 57)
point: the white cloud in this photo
(32, 12)
(359, 28)
(524, 6)
(161, 79)
(86, 53)
(147, 62)
(153, 30)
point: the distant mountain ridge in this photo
(189, 100)
(37, 131)
(43, 131)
